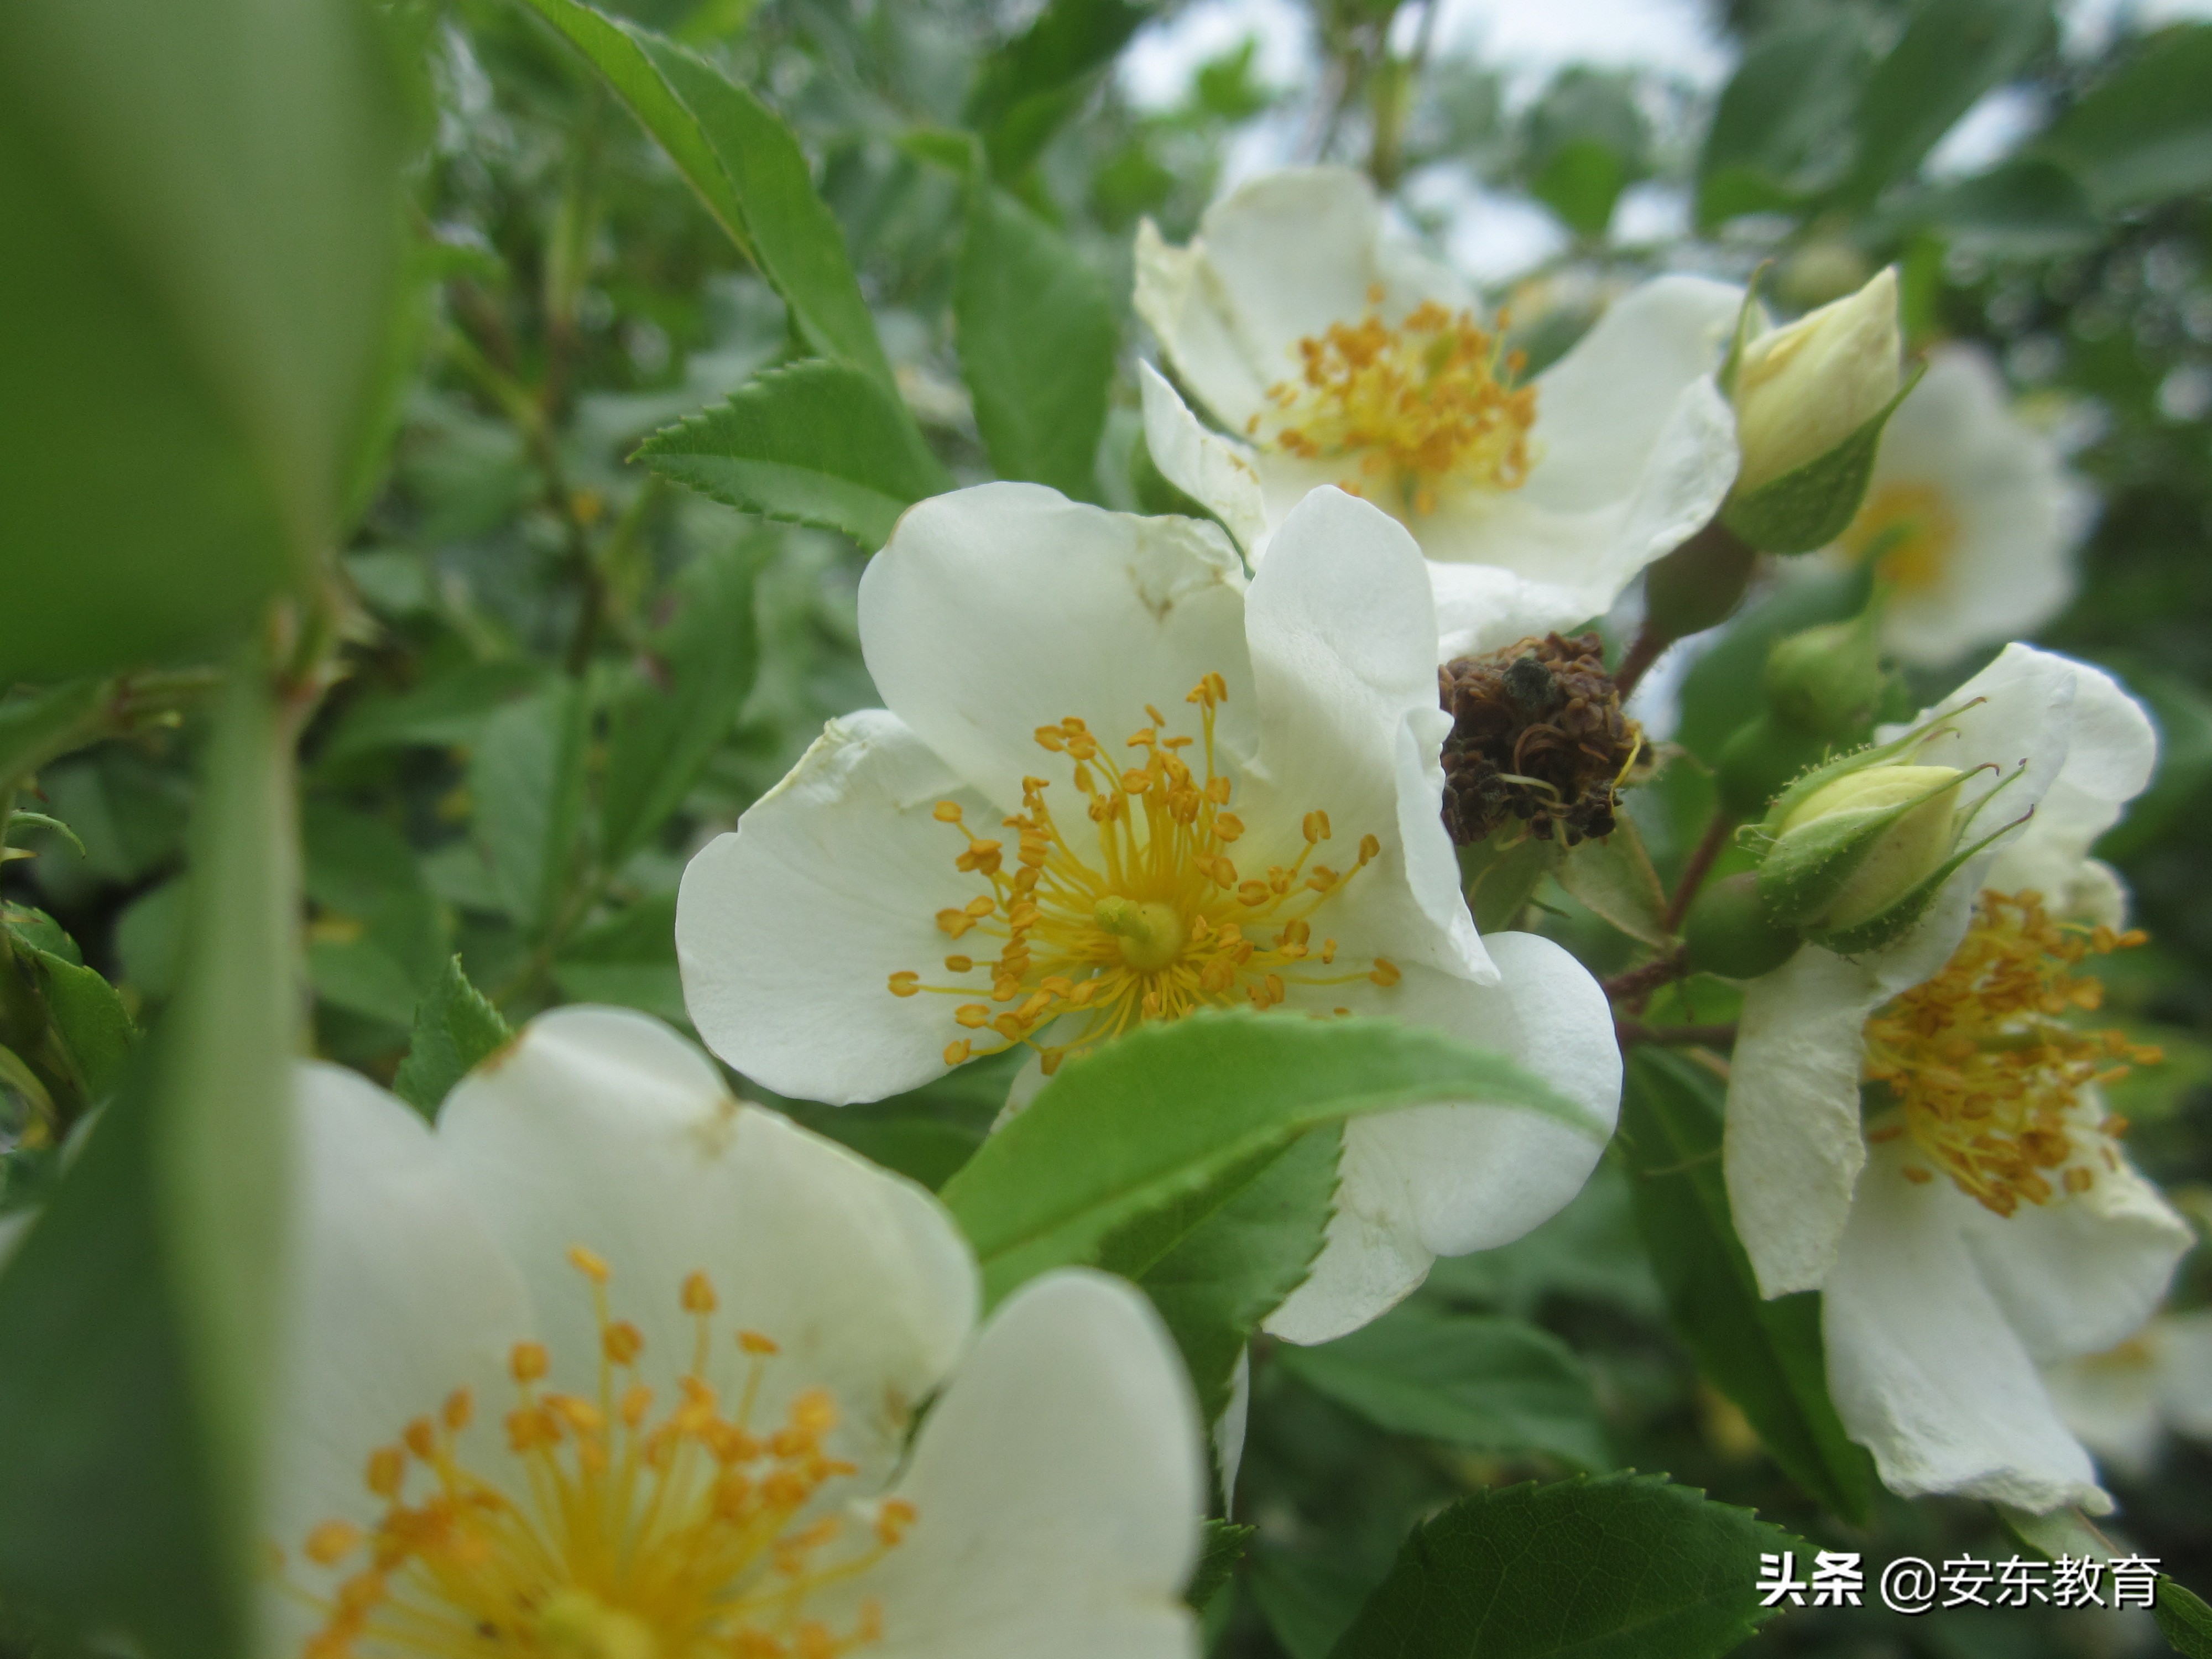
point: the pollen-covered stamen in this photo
(1425, 408)
(688, 1530)
(1148, 917)
(1985, 1069)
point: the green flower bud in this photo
(1730, 933)
(1858, 845)
(1829, 680)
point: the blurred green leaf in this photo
(526, 780)
(149, 939)
(136, 1319)
(628, 960)
(1489, 1384)
(2145, 131)
(1766, 1356)
(1780, 130)
(1029, 88)
(680, 703)
(1952, 52)
(1724, 689)
(1627, 1566)
(2183, 1619)
(1587, 141)
(1309, 1602)
(817, 443)
(1224, 1548)
(381, 938)
(37, 727)
(1036, 336)
(455, 1027)
(447, 709)
(2026, 208)
(1158, 1116)
(1216, 1263)
(747, 166)
(202, 211)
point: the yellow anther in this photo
(621, 1342)
(387, 1468)
(905, 984)
(1386, 972)
(528, 1362)
(958, 964)
(589, 1263)
(946, 811)
(1227, 826)
(459, 1407)
(756, 1344)
(421, 1437)
(1316, 827)
(893, 1519)
(331, 1542)
(698, 1293)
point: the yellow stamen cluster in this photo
(1154, 921)
(640, 1534)
(1915, 528)
(1984, 1068)
(1428, 407)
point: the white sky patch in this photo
(1489, 236)
(1534, 38)
(1156, 70)
(1988, 132)
(1652, 212)
(2088, 26)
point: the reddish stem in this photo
(1700, 864)
(1643, 652)
(1640, 981)
(1628, 1031)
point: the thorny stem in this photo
(1701, 856)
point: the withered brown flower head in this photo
(1537, 737)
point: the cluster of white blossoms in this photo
(609, 1364)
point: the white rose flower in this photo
(1986, 518)
(611, 1364)
(1332, 354)
(1117, 782)
(2124, 1402)
(1975, 1217)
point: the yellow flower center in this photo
(1151, 920)
(1428, 408)
(1984, 1068)
(1909, 530)
(638, 1535)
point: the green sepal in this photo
(1809, 507)
(1805, 872)
(1810, 782)
(1876, 933)
(1748, 317)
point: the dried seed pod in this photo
(1537, 738)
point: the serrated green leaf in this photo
(455, 1027)
(1780, 130)
(817, 443)
(526, 780)
(1029, 88)
(136, 1337)
(1952, 52)
(1036, 335)
(202, 204)
(1766, 1356)
(1490, 1384)
(1224, 1548)
(2183, 1619)
(91, 1018)
(747, 167)
(1809, 506)
(1216, 1263)
(38, 725)
(1157, 1116)
(2144, 133)
(1627, 1566)
(667, 723)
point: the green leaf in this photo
(1628, 1566)
(2143, 133)
(1159, 1115)
(628, 960)
(526, 778)
(445, 710)
(1501, 876)
(1038, 338)
(51, 825)
(1723, 691)
(817, 443)
(1224, 1545)
(365, 879)
(2026, 208)
(1490, 1384)
(2183, 1619)
(1615, 880)
(36, 726)
(1809, 506)
(202, 205)
(1952, 52)
(97, 1030)
(1780, 130)
(1218, 1262)
(747, 166)
(1766, 1356)
(1308, 1602)
(455, 1028)
(1029, 88)
(1587, 141)
(667, 722)
(136, 1338)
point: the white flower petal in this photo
(1925, 1369)
(397, 1294)
(1483, 607)
(2019, 515)
(1058, 1486)
(1793, 1148)
(1217, 472)
(2109, 1402)
(1448, 1179)
(602, 1127)
(2185, 1371)
(1342, 630)
(787, 931)
(2077, 1275)
(993, 611)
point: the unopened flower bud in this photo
(1827, 680)
(1803, 391)
(1861, 845)
(1730, 933)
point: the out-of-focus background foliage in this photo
(540, 637)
